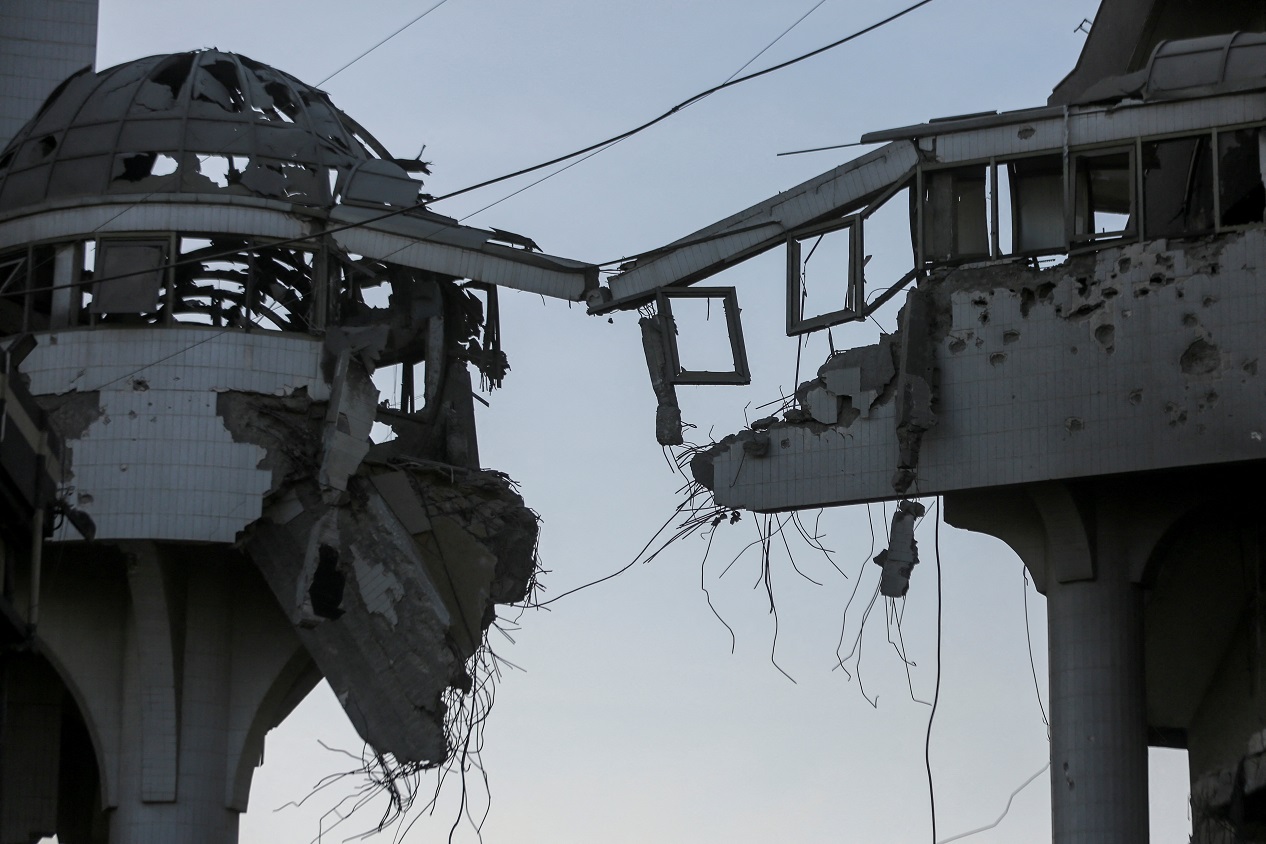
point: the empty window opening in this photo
(955, 214)
(1037, 204)
(212, 288)
(1103, 196)
(704, 336)
(1241, 194)
(164, 165)
(223, 170)
(1177, 187)
(888, 252)
(824, 276)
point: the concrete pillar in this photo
(179, 661)
(1087, 546)
(1098, 713)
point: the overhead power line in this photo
(380, 43)
(688, 102)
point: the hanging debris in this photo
(902, 553)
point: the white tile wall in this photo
(159, 463)
(1007, 420)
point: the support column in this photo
(179, 661)
(1086, 545)
(1098, 714)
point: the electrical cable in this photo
(380, 43)
(1007, 809)
(1028, 635)
(688, 102)
(936, 697)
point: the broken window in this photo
(1242, 198)
(129, 276)
(217, 82)
(212, 284)
(824, 276)
(1103, 185)
(139, 167)
(1177, 187)
(281, 288)
(222, 170)
(887, 264)
(698, 351)
(955, 214)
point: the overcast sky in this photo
(632, 720)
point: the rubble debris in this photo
(902, 554)
(916, 393)
(413, 607)
(667, 412)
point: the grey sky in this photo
(633, 722)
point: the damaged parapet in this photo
(200, 244)
(902, 554)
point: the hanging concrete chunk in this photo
(902, 553)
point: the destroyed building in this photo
(204, 262)
(1076, 372)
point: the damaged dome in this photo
(202, 123)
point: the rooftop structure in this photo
(213, 261)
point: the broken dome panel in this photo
(205, 104)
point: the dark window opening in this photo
(1177, 187)
(1241, 194)
(1104, 196)
(173, 72)
(956, 214)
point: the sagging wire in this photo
(729, 83)
(1028, 636)
(1005, 809)
(380, 43)
(936, 697)
(697, 516)
(380, 775)
(891, 615)
(857, 582)
(893, 618)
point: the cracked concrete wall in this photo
(404, 575)
(151, 456)
(1137, 357)
(388, 565)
